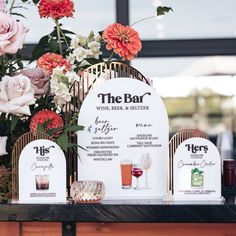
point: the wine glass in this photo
(137, 171)
(146, 162)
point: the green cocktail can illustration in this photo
(197, 178)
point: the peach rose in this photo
(16, 94)
(12, 34)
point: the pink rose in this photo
(16, 95)
(12, 34)
(39, 80)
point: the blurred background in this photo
(189, 54)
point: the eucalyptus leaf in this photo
(163, 10)
(53, 131)
(63, 141)
(74, 128)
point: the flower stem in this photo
(64, 37)
(147, 18)
(58, 35)
(2, 66)
(111, 56)
(11, 7)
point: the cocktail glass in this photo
(197, 178)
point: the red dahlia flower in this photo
(47, 115)
(123, 40)
(56, 9)
(50, 61)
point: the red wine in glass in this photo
(137, 171)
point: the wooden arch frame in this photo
(21, 142)
(90, 78)
(175, 141)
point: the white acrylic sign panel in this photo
(126, 139)
(197, 170)
(42, 173)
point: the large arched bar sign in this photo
(126, 139)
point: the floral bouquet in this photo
(33, 99)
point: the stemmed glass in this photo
(137, 171)
(146, 162)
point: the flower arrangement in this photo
(32, 99)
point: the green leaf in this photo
(36, 1)
(101, 33)
(200, 172)
(54, 130)
(14, 122)
(74, 128)
(67, 31)
(41, 48)
(40, 128)
(195, 170)
(93, 61)
(163, 10)
(63, 141)
(20, 64)
(46, 123)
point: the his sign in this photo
(42, 173)
(126, 138)
(197, 170)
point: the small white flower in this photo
(98, 38)
(94, 49)
(72, 76)
(83, 41)
(74, 42)
(71, 58)
(81, 53)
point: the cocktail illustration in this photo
(146, 162)
(197, 178)
(42, 182)
(137, 171)
(126, 175)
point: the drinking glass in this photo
(42, 182)
(197, 178)
(126, 176)
(146, 162)
(137, 171)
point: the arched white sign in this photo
(126, 139)
(42, 173)
(197, 170)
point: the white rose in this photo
(16, 95)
